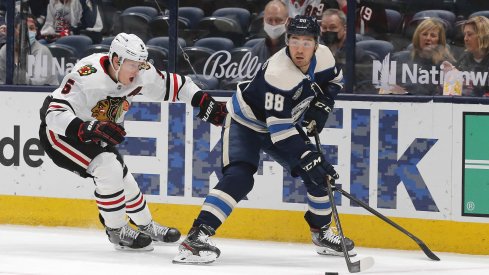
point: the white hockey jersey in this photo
(304, 7)
(89, 93)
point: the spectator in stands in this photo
(428, 52)
(39, 69)
(275, 16)
(38, 10)
(333, 35)
(370, 17)
(91, 20)
(3, 33)
(333, 30)
(312, 7)
(67, 17)
(476, 56)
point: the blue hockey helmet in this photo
(303, 25)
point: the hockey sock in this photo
(136, 207)
(109, 194)
(236, 183)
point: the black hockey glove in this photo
(96, 131)
(317, 114)
(316, 169)
(210, 110)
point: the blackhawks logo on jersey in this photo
(87, 70)
(110, 109)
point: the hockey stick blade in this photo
(353, 267)
(365, 263)
(420, 243)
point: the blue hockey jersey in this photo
(277, 97)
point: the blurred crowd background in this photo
(412, 47)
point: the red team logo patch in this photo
(87, 70)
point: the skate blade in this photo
(127, 248)
(330, 252)
(186, 257)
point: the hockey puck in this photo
(330, 273)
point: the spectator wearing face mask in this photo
(39, 62)
(275, 16)
(333, 35)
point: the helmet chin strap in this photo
(117, 71)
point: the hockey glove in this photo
(316, 169)
(210, 110)
(96, 131)
(317, 114)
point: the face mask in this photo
(32, 37)
(330, 38)
(274, 32)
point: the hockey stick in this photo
(353, 267)
(420, 243)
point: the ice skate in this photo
(328, 242)
(160, 233)
(198, 248)
(126, 238)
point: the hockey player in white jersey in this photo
(295, 87)
(81, 123)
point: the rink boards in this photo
(422, 163)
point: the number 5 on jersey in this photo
(274, 101)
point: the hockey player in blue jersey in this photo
(294, 88)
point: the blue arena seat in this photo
(213, 26)
(362, 37)
(252, 42)
(394, 20)
(198, 57)
(377, 48)
(158, 26)
(255, 29)
(164, 42)
(96, 48)
(79, 42)
(149, 11)
(480, 13)
(136, 23)
(63, 52)
(192, 14)
(401, 55)
(215, 43)
(446, 17)
(242, 16)
(158, 56)
(107, 40)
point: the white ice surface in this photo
(28, 250)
